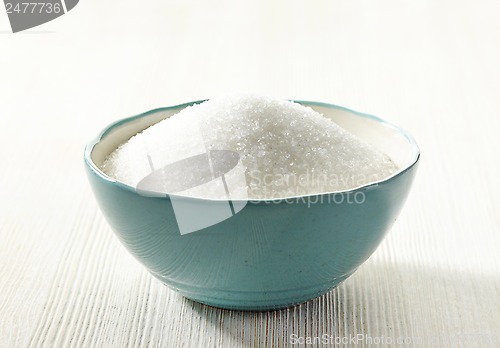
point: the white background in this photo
(430, 67)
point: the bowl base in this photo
(259, 301)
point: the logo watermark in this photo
(25, 14)
(358, 339)
(217, 171)
(462, 339)
(308, 188)
(357, 197)
(221, 174)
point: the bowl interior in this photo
(387, 138)
(394, 142)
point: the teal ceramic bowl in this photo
(271, 254)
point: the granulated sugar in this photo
(285, 149)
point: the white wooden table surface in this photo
(431, 67)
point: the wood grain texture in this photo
(430, 67)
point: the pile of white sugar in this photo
(285, 149)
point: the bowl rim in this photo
(122, 185)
